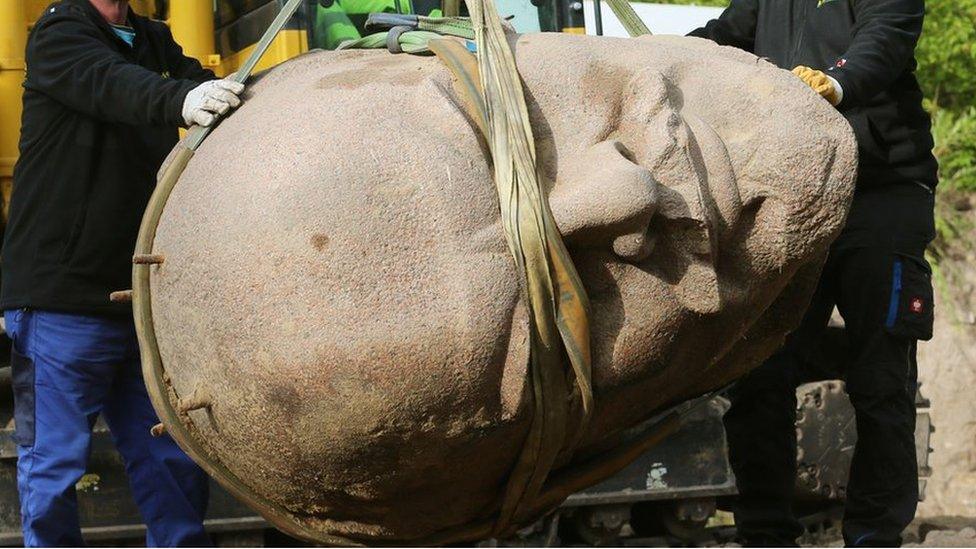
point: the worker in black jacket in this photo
(859, 55)
(105, 93)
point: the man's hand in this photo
(210, 100)
(827, 87)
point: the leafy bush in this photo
(955, 147)
(947, 54)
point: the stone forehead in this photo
(575, 83)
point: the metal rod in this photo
(147, 259)
(196, 135)
(122, 296)
(628, 17)
(598, 17)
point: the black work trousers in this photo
(877, 277)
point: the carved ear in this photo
(603, 198)
(688, 219)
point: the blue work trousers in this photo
(68, 369)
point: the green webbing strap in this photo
(413, 41)
(628, 17)
(463, 65)
(557, 302)
(448, 26)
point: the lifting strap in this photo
(451, 8)
(403, 33)
(195, 136)
(557, 302)
(628, 17)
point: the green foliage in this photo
(955, 147)
(947, 54)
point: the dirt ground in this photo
(949, 538)
(947, 370)
(936, 532)
(942, 532)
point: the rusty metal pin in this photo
(122, 296)
(197, 400)
(157, 430)
(147, 259)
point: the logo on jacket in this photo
(820, 3)
(917, 305)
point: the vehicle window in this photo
(241, 23)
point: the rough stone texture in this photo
(337, 277)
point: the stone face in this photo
(337, 278)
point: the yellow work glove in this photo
(820, 83)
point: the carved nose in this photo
(604, 199)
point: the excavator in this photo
(672, 495)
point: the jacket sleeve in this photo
(69, 61)
(882, 48)
(735, 27)
(333, 26)
(181, 66)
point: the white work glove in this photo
(211, 100)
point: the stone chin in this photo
(337, 277)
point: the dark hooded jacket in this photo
(99, 118)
